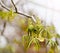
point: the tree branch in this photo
(4, 26)
(23, 14)
(19, 12)
(4, 7)
(28, 16)
(16, 11)
(14, 6)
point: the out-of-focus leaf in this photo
(57, 36)
(52, 44)
(9, 16)
(32, 41)
(41, 39)
(25, 41)
(7, 49)
(49, 35)
(51, 51)
(51, 28)
(30, 27)
(17, 42)
(37, 45)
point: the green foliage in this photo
(8, 16)
(52, 44)
(7, 49)
(51, 50)
(25, 41)
(37, 33)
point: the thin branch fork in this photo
(23, 14)
(4, 7)
(4, 26)
(16, 11)
(14, 6)
(19, 12)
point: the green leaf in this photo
(57, 36)
(51, 50)
(8, 16)
(11, 15)
(52, 44)
(3, 15)
(33, 40)
(25, 41)
(37, 45)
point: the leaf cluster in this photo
(7, 15)
(38, 33)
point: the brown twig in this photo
(19, 12)
(16, 11)
(4, 7)
(23, 14)
(14, 6)
(4, 26)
